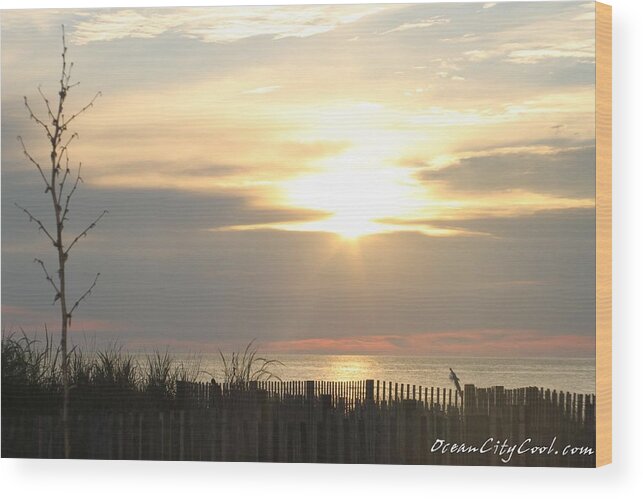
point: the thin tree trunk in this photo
(61, 280)
(62, 257)
(55, 185)
(65, 354)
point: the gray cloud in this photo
(567, 172)
(578, 224)
(233, 286)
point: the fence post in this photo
(469, 399)
(370, 389)
(181, 392)
(310, 390)
(121, 431)
(181, 435)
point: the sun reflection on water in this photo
(350, 367)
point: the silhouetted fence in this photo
(339, 422)
(577, 407)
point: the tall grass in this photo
(30, 362)
(162, 373)
(243, 367)
(32, 374)
(112, 367)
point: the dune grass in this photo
(110, 378)
(243, 367)
(32, 367)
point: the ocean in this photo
(567, 374)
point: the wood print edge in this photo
(603, 234)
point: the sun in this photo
(358, 196)
(348, 228)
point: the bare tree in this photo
(61, 184)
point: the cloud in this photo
(571, 104)
(426, 23)
(263, 90)
(477, 55)
(568, 34)
(454, 159)
(587, 16)
(560, 171)
(465, 343)
(511, 202)
(250, 170)
(219, 25)
(576, 224)
(441, 216)
(535, 52)
(31, 320)
(582, 50)
(176, 211)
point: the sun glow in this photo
(357, 195)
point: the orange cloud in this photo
(474, 343)
(26, 319)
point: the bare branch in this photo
(71, 66)
(84, 233)
(44, 98)
(72, 85)
(71, 193)
(61, 185)
(84, 295)
(74, 116)
(64, 151)
(64, 58)
(33, 116)
(65, 148)
(38, 222)
(48, 278)
(36, 164)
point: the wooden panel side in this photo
(603, 234)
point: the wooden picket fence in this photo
(577, 407)
(315, 421)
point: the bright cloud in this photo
(426, 23)
(220, 25)
(263, 90)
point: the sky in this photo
(364, 179)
